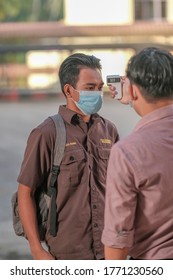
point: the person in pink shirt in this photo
(139, 186)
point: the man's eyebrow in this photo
(94, 84)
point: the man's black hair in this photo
(152, 70)
(71, 66)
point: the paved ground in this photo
(16, 121)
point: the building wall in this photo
(170, 11)
(111, 12)
(78, 12)
(95, 12)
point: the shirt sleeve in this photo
(121, 200)
(37, 160)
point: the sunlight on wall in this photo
(170, 11)
(40, 59)
(40, 62)
(41, 80)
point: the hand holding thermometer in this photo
(115, 80)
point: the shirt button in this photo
(72, 158)
(99, 257)
(94, 206)
(93, 188)
(95, 225)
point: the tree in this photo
(32, 10)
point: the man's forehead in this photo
(88, 70)
(94, 83)
(90, 76)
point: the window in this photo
(150, 10)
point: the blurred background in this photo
(35, 37)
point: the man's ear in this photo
(134, 92)
(67, 90)
(130, 90)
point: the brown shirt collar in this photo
(72, 117)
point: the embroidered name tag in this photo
(70, 144)
(106, 141)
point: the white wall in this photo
(90, 12)
(170, 11)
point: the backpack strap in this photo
(60, 139)
(58, 155)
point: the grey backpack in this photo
(45, 201)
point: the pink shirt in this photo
(139, 189)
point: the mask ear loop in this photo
(77, 92)
(67, 91)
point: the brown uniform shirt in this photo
(81, 182)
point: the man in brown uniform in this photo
(81, 182)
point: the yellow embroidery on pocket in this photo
(106, 141)
(70, 144)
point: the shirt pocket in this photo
(72, 168)
(103, 157)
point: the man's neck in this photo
(147, 108)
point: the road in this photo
(16, 121)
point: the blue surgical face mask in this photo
(89, 102)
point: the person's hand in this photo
(113, 91)
(126, 87)
(42, 254)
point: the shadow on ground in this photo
(15, 256)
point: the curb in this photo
(16, 95)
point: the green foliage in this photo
(13, 58)
(31, 10)
(27, 11)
